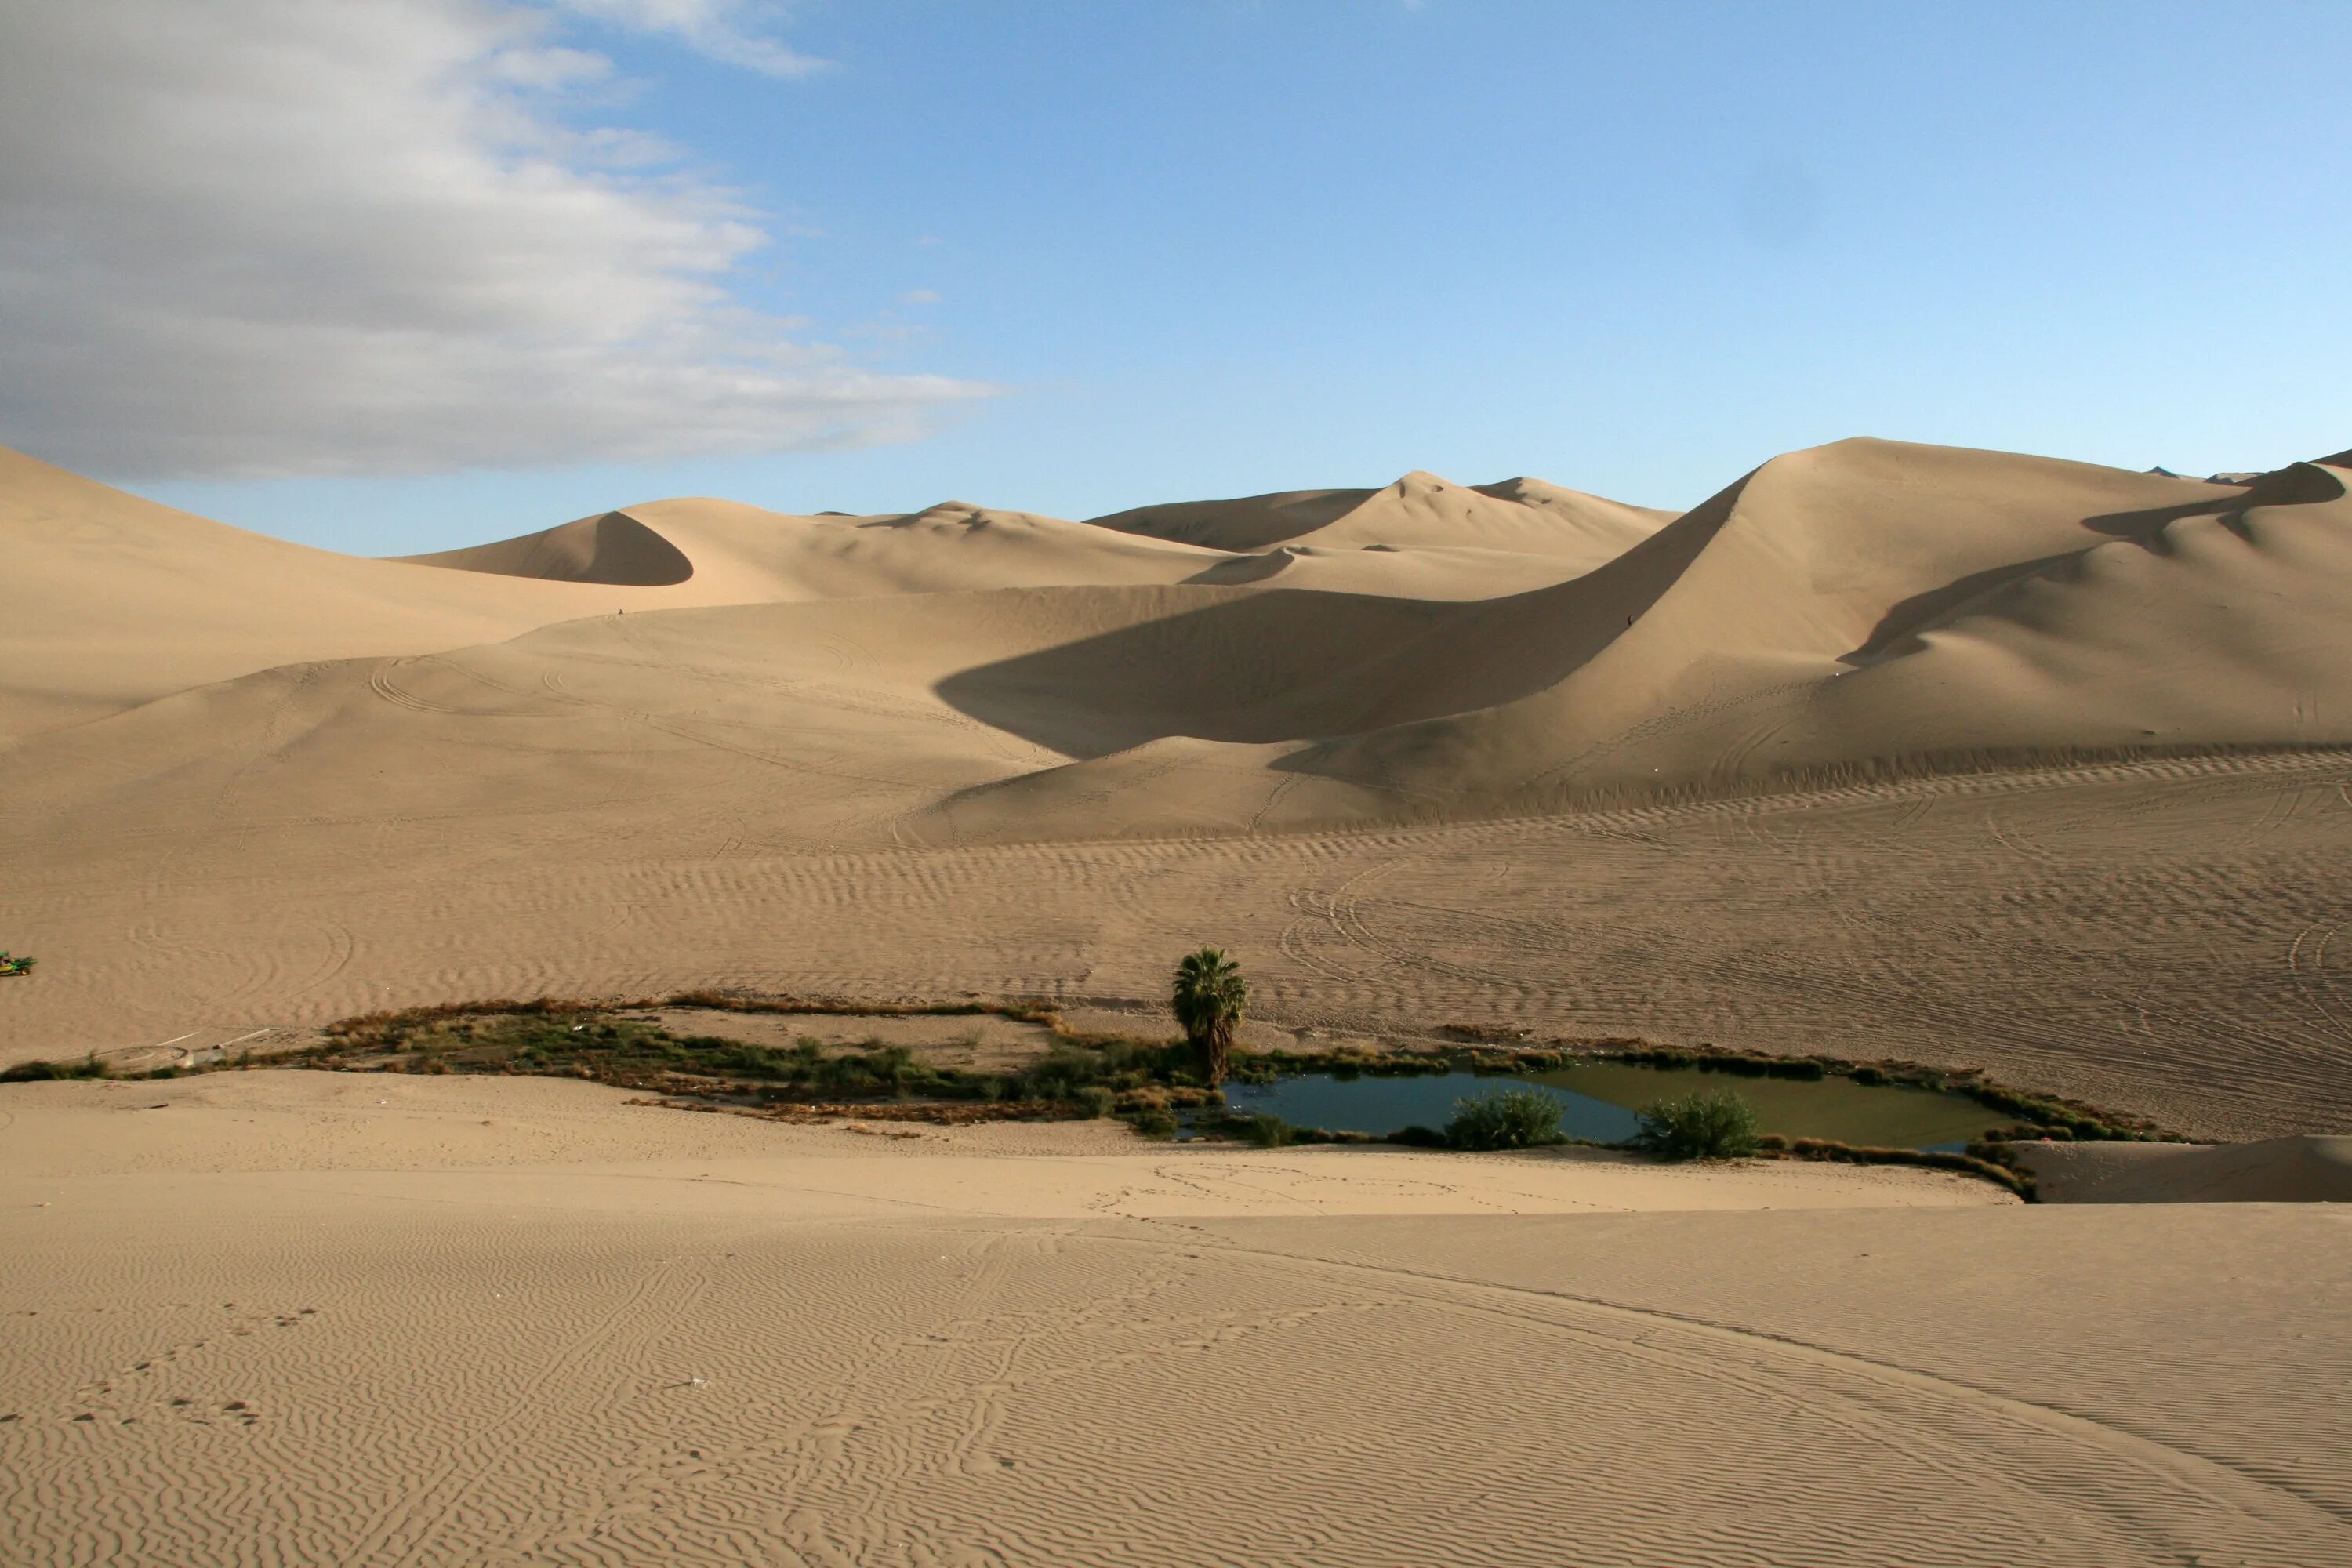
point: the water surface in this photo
(1598, 1100)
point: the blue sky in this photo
(1071, 258)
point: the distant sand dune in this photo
(1525, 516)
(613, 548)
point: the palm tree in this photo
(1208, 999)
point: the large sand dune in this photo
(1884, 749)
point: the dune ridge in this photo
(612, 548)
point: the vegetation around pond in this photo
(1156, 1085)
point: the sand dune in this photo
(1517, 516)
(614, 549)
(258, 786)
(1860, 606)
(109, 600)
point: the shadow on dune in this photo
(2300, 484)
(1245, 524)
(2297, 484)
(1270, 666)
(1294, 664)
(1898, 630)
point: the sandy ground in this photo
(256, 1317)
(2160, 938)
(1884, 750)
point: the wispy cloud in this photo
(272, 236)
(728, 30)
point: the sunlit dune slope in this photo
(1867, 604)
(1521, 516)
(719, 551)
(107, 600)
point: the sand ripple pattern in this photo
(2175, 925)
(371, 1376)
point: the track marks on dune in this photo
(2306, 961)
(613, 1385)
(2166, 1496)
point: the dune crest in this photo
(612, 548)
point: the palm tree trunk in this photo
(1217, 1051)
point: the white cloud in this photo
(723, 30)
(274, 236)
(919, 297)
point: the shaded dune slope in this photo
(1862, 604)
(2297, 1170)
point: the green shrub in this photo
(1095, 1100)
(1514, 1118)
(1154, 1122)
(1708, 1124)
(1268, 1130)
(1060, 1074)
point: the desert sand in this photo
(1961, 757)
(267, 1317)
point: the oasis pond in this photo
(1598, 1100)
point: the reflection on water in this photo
(1598, 1100)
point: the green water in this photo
(1884, 1116)
(1598, 1099)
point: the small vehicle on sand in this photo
(14, 965)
